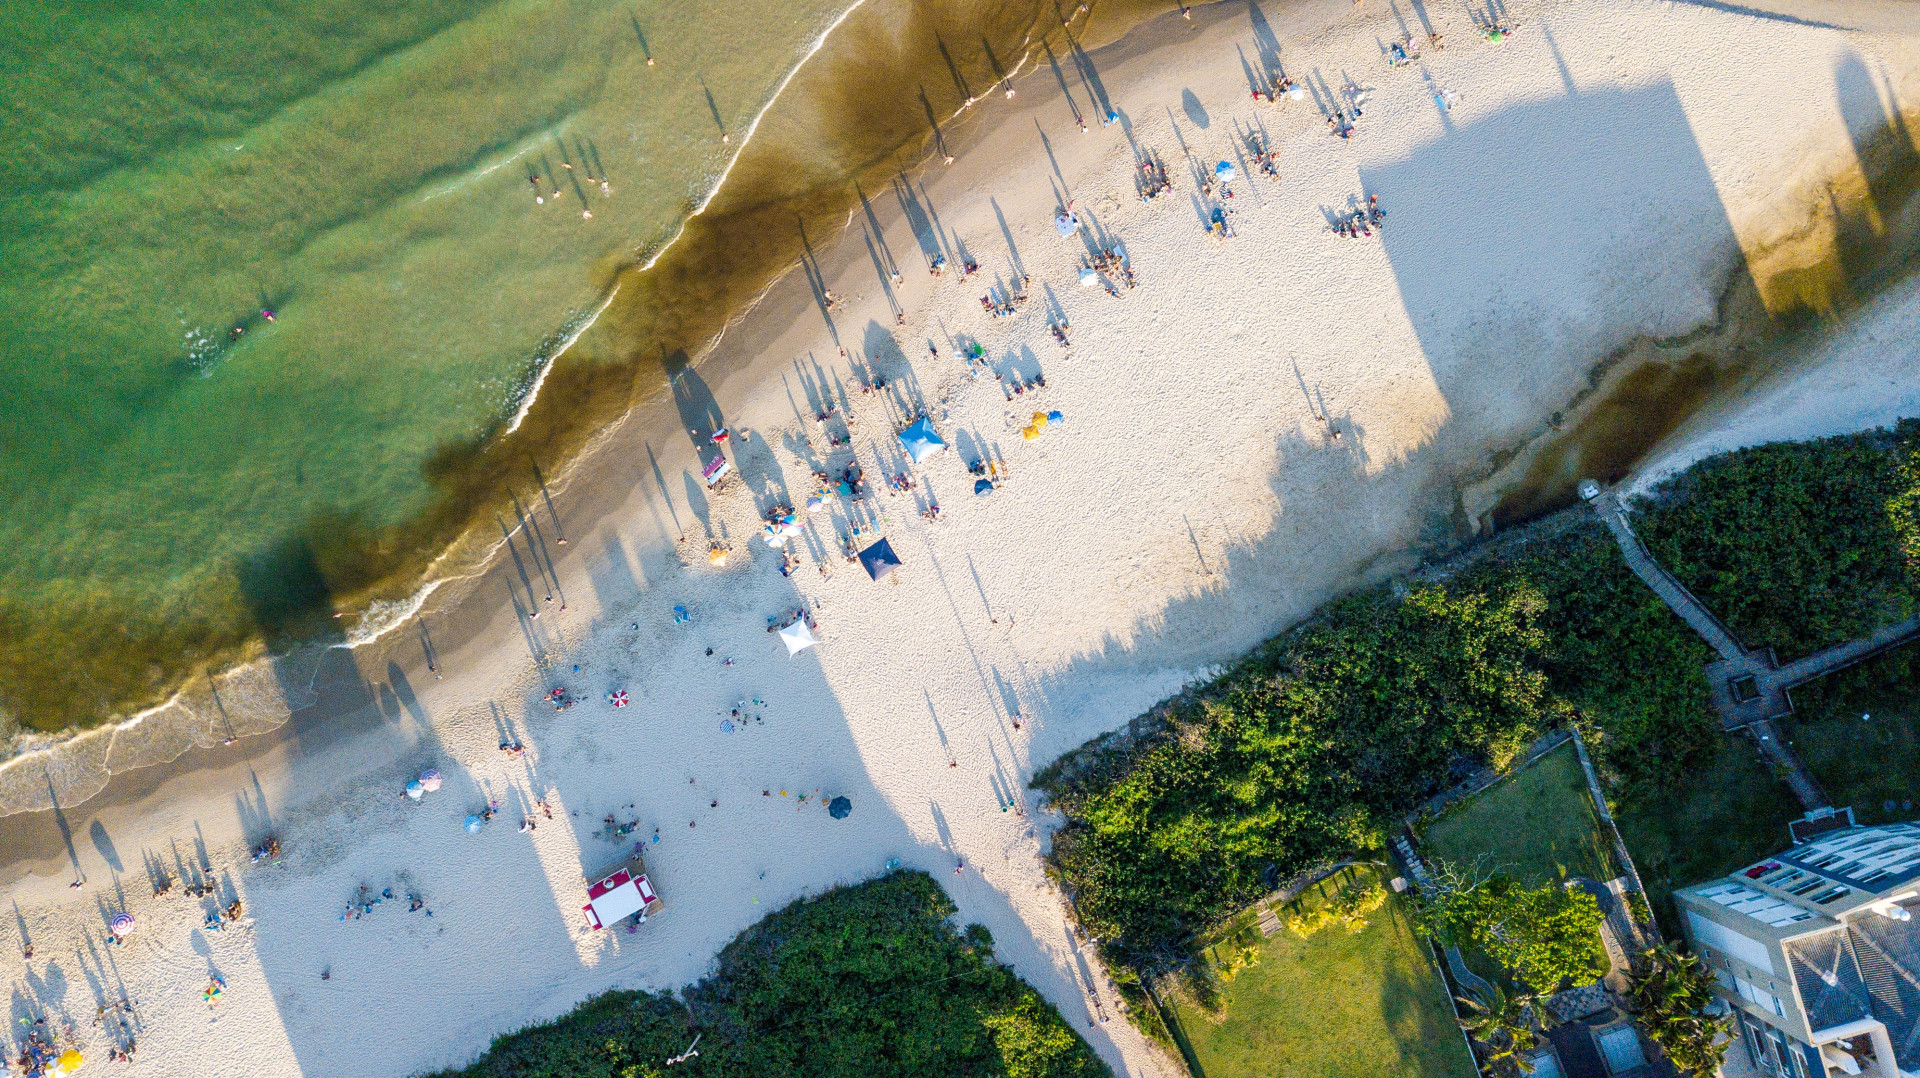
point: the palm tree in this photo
(1670, 992)
(1503, 1022)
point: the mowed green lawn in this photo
(1529, 825)
(1338, 1004)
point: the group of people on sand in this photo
(366, 899)
(1362, 222)
(1279, 85)
(1008, 307)
(1154, 180)
(1113, 262)
(1014, 386)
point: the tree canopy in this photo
(1545, 935)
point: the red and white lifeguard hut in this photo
(619, 891)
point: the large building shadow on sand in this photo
(1492, 239)
(1482, 222)
(1557, 230)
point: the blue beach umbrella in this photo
(1224, 172)
(474, 824)
(920, 441)
(879, 559)
(839, 807)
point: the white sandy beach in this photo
(1597, 176)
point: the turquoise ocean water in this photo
(366, 172)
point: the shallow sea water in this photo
(360, 169)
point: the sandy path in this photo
(1593, 178)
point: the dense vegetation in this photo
(864, 981)
(1322, 740)
(1312, 746)
(1797, 545)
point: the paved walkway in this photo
(1746, 686)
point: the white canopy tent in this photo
(798, 637)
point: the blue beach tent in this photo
(919, 440)
(879, 559)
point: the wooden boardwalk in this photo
(1747, 687)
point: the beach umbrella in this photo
(121, 924)
(982, 487)
(797, 637)
(919, 441)
(474, 824)
(1056, 417)
(1224, 172)
(430, 780)
(817, 502)
(618, 698)
(1088, 278)
(414, 789)
(69, 1062)
(839, 807)
(1029, 433)
(1065, 222)
(879, 559)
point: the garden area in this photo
(865, 981)
(1344, 989)
(1536, 825)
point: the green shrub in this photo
(1349, 906)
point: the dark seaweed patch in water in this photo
(1642, 408)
